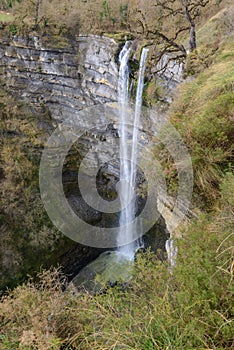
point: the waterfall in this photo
(128, 170)
(172, 252)
(138, 105)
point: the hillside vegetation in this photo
(26, 233)
(190, 306)
(98, 16)
(202, 110)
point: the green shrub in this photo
(13, 29)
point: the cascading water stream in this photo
(138, 106)
(128, 169)
(123, 106)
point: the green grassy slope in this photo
(203, 108)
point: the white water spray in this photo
(128, 170)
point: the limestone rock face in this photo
(66, 79)
(59, 80)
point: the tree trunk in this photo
(192, 39)
(188, 16)
(37, 11)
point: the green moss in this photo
(6, 17)
(154, 92)
(56, 41)
(119, 37)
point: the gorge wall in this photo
(63, 80)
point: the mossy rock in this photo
(119, 37)
(108, 269)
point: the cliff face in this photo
(66, 79)
(55, 81)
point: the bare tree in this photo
(189, 9)
(165, 41)
(172, 19)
